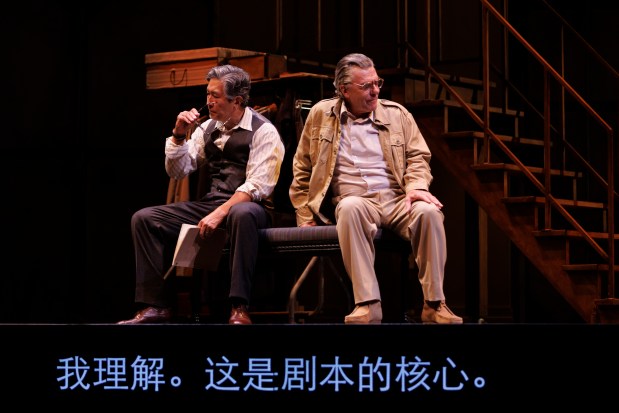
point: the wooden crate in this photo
(189, 67)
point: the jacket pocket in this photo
(320, 136)
(396, 141)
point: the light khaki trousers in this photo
(358, 219)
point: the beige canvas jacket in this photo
(403, 145)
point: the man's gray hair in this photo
(342, 70)
(236, 81)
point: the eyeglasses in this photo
(368, 85)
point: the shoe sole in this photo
(361, 322)
(435, 322)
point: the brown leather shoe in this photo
(150, 315)
(239, 315)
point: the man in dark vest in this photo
(243, 152)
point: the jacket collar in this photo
(379, 116)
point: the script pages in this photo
(193, 251)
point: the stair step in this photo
(503, 138)
(533, 169)
(433, 103)
(479, 108)
(607, 302)
(571, 234)
(540, 200)
(588, 267)
(607, 311)
(420, 74)
(514, 168)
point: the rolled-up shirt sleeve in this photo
(181, 160)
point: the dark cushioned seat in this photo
(320, 239)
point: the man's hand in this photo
(184, 120)
(210, 222)
(419, 195)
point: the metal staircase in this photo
(541, 167)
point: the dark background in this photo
(490, 366)
(84, 137)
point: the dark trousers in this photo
(155, 232)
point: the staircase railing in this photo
(551, 78)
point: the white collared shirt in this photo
(266, 154)
(360, 166)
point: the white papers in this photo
(193, 251)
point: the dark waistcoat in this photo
(225, 170)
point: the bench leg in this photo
(345, 283)
(320, 260)
(292, 301)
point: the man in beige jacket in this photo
(362, 163)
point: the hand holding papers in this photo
(193, 251)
